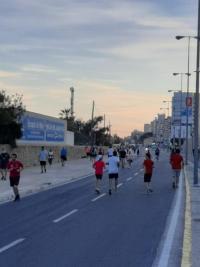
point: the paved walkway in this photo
(32, 180)
(191, 248)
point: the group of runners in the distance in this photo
(115, 157)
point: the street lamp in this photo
(196, 114)
(179, 37)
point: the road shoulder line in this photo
(187, 236)
(14, 243)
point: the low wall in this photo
(29, 154)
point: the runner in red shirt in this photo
(99, 165)
(148, 170)
(176, 161)
(15, 166)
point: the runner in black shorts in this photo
(113, 170)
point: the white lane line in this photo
(130, 178)
(136, 173)
(167, 247)
(100, 196)
(119, 185)
(141, 170)
(14, 243)
(65, 216)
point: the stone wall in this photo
(29, 154)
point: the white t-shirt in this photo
(43, 155)
(113, 163)
(110, 151)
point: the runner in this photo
(176, 161)
(99, 165)
(43, 159)
(110, 151)
(4, 159)
(63, 156)
(157, 153)
(50, 156)
(148, 170)
(122, 155)
(113, 170)
(130, 157)
(15, 166)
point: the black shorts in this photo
(99, 176)
(147, 177)
(14, 181)
(113, 175)
(42, 163)
(63, 158)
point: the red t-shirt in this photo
(148, 164)
(14, 167)
(99, 165)
(176, 160)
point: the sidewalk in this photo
(32, 180)
(192, 221)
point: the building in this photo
(147, 128)
(180, 107)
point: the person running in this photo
(110, 151)
(177, 163)
(63, 156)
(148, 170)
(15, 167)
(4, 159)
(50, 156)
(157, 153)
(99, 166)
(113, 172)
(130, 157)
(43, 155)
(122, 155)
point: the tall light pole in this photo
(196, 113)
(179, 37)
(181, 75)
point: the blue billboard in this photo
(42, 129)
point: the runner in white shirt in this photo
(113, 170)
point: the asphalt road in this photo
(69, 226)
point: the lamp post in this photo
(196, 114)
(179, 37)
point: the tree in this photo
(11, 111)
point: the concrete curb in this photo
(187, 236)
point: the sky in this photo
(119, 53)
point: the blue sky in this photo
(119, 53)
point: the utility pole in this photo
(72, 102)
(92, 121)
(196, 113)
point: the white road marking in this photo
(141, 170)
(136, 173)
(100, 196)
(130, 178)
(14, 243)
(119, 185)
(65, 216)
(167, 246)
